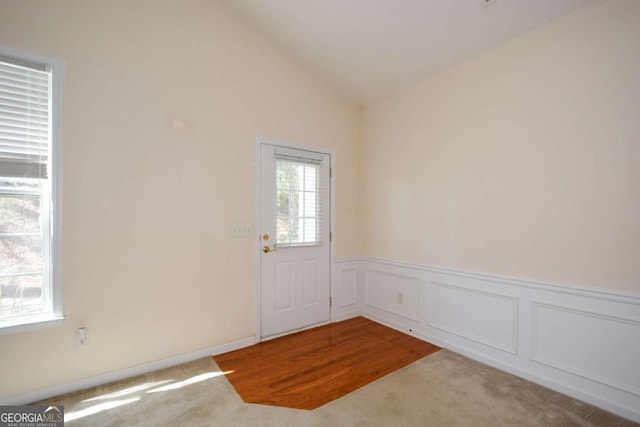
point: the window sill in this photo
(33, 324)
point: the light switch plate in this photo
(241, 230)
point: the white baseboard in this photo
(583, 343)
(345, 317)
(84, 383)
(555, 335)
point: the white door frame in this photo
(258, 232)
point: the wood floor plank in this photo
(311, 368)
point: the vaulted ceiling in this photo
(370, 48)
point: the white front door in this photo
(295, 248)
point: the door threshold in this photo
(294, 331)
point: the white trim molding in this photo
(581, 342)
(347, 294)
(46, 393)
(564, 338)
(52, 251)
(495, 323)
(286, 145)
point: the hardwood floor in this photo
(310, 368)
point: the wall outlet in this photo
(400, 298)
(81, 336)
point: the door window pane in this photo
(297, 203)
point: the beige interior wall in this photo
(149, 266)
(523, 161)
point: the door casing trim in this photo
(260, 141)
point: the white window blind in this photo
(25, 89)
(299, 200)
(27, 291)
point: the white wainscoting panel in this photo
(580, 342)
(349, 291)
(596, 346)
(484, 317)
(396, 293)
(346, 295)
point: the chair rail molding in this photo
(581, 342)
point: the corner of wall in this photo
(521, 327)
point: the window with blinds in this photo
(26, 291)
(299, 196)
(24, 118)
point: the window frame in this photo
(318, 193)
(54, 261)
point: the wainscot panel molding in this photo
(581, 342)
(347, 293)
(493, 322)
(395, 293)
(568, 339)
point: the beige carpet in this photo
(443, 389)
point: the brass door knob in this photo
(266, 249)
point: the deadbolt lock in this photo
(265, 237)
